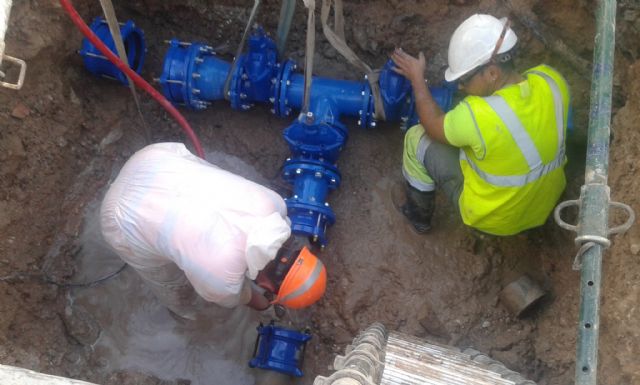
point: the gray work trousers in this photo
(442, 162)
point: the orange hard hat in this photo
(305, 282)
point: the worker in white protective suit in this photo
(184, 224)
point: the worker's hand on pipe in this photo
(408, 66)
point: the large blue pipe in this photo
(194, 76)
(348, 97)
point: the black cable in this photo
(87, 284)
(47, 279)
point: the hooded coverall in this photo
(184, 224)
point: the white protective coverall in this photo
(178, 219)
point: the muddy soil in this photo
(65, 134)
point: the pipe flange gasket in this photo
(365, 115)
(236, 85)
(283, 84)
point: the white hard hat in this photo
(473, 43)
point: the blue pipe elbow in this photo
(99, 65)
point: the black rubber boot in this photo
(419, 208)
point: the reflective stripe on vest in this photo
(524, 142)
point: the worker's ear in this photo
(491, 73)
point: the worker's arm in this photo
(430, 114)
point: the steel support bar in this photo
(594, 210)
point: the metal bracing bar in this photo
(594, 210)
(593, 222)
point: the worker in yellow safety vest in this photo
(499, 155)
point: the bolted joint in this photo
(309, 117)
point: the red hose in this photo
(137, 80)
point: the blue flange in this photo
(284, 82)
(99, 65)
(279, 349)
(366, 112)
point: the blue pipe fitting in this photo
(252, 81)
(308, 209)
(99, 65)
(315, 140)
(395, 91)
(398, 99)
(279, 349)
(443, 96)
(350, 98)
(313, 173)
(192, 75)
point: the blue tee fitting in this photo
(194, 76)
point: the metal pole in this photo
(287, 10)
(594, 211)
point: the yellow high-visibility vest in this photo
(516, 183)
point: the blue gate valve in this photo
(279, 349)
(99, 65)
(315, 140)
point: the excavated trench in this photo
(66, 134)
